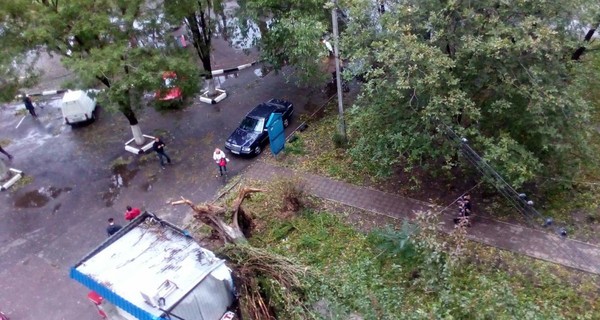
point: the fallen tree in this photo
(270, 286)
(211, 215)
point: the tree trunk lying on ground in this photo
(210, 215)
(270, 286)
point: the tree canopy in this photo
(498, 73)
(290, 33)
(502, 74)
(125, 45)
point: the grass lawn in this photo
(314, 151)
(363, 270)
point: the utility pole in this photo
(336, 53)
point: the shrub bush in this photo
(339, 141)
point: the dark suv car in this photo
(251, 136)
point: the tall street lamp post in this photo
(336, 52)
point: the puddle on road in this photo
(121, 176)
(40, 197)
(32, 199)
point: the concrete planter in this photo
(130, 145)
(221, 94)
(16, 175)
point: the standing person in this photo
(112, 227)
(10, 157)
(328, 46)
(467, 203)
(132, 213)
(464, 210)
(221, 160)
(159, 147)
(29, 105)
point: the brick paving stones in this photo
(535, 243)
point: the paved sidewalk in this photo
(531, 242)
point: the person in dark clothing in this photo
(6, 153)
(159, 147)
(464, 210)
(112, 227)
(467, 203)
(29, 106)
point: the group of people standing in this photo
(130, 214)
(218, 156)
(159, 147)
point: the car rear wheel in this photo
(286, 123)
(257, 150)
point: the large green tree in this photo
(123, 44)
(290, 33)
(504, 74)
(496, 72)
(200, 17)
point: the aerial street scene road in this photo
(275, 159)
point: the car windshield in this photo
(252, 124)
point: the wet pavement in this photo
(79, 177)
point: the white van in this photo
(77, 106)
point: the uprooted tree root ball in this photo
(270, 285)
(211, 215)
(292, 191)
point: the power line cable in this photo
(519, 200)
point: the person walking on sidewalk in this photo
(29, 106)
(112, 227)
(132, 213)
(464, 211)
(10, 157)
(159, 147)
(221, 160)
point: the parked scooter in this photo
(3, 316)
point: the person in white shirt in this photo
(221, 160)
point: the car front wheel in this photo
(257, 150)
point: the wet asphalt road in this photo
(50, 223)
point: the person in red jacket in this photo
(131, 213)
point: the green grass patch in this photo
(315, 151)
(24, 181)
(5, 142)
(367, 273)
(295, 147)
(120, 162)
